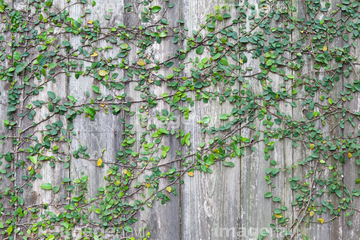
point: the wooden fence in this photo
(228, 204)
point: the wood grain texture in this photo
(210, 203)
(227, 204)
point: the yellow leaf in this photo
(99, 162)
(102, 73)
(94, 54)
(312, 213)
(141, 62)
(125, 171)
(29, 168)
(103, 104)
(312, 146)
(321, 220)
(349, 155)
(148, 185)
(89, 22)
(190, 174)
(324, 48)
(168, 189)
(278, 215)
(117, 183)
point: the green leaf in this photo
(155, 9)
(310, 115)
(187, 139)
(244, 40)
(269, 62)
(95, 89)
(223, 61)
(163, 130)
(226, 16)
(164, 21)
(218, 55)
(66, 180)
(11, 109)
(46, 186)
(9, 157)
(206, 120)
(277, 211)
(264, 233)
(224, 116)
(338, 192)
(52, 65)
(124, 46)
(9, 230)
(268, 195)
(34, 159)
(56, 189)
(20, 201)
(238, 152)
(17, 56)
(51, 107)
(128, 229)
(51, 94)
(228, 164)
(66, 43)
(169, 64)
(19, 68)
(200, 50)
(84, 179)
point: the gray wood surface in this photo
(227, 204)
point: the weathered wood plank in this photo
(103, 136)
(5, 144)
(162, 221)
(206, 197)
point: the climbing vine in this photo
(287, 70)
